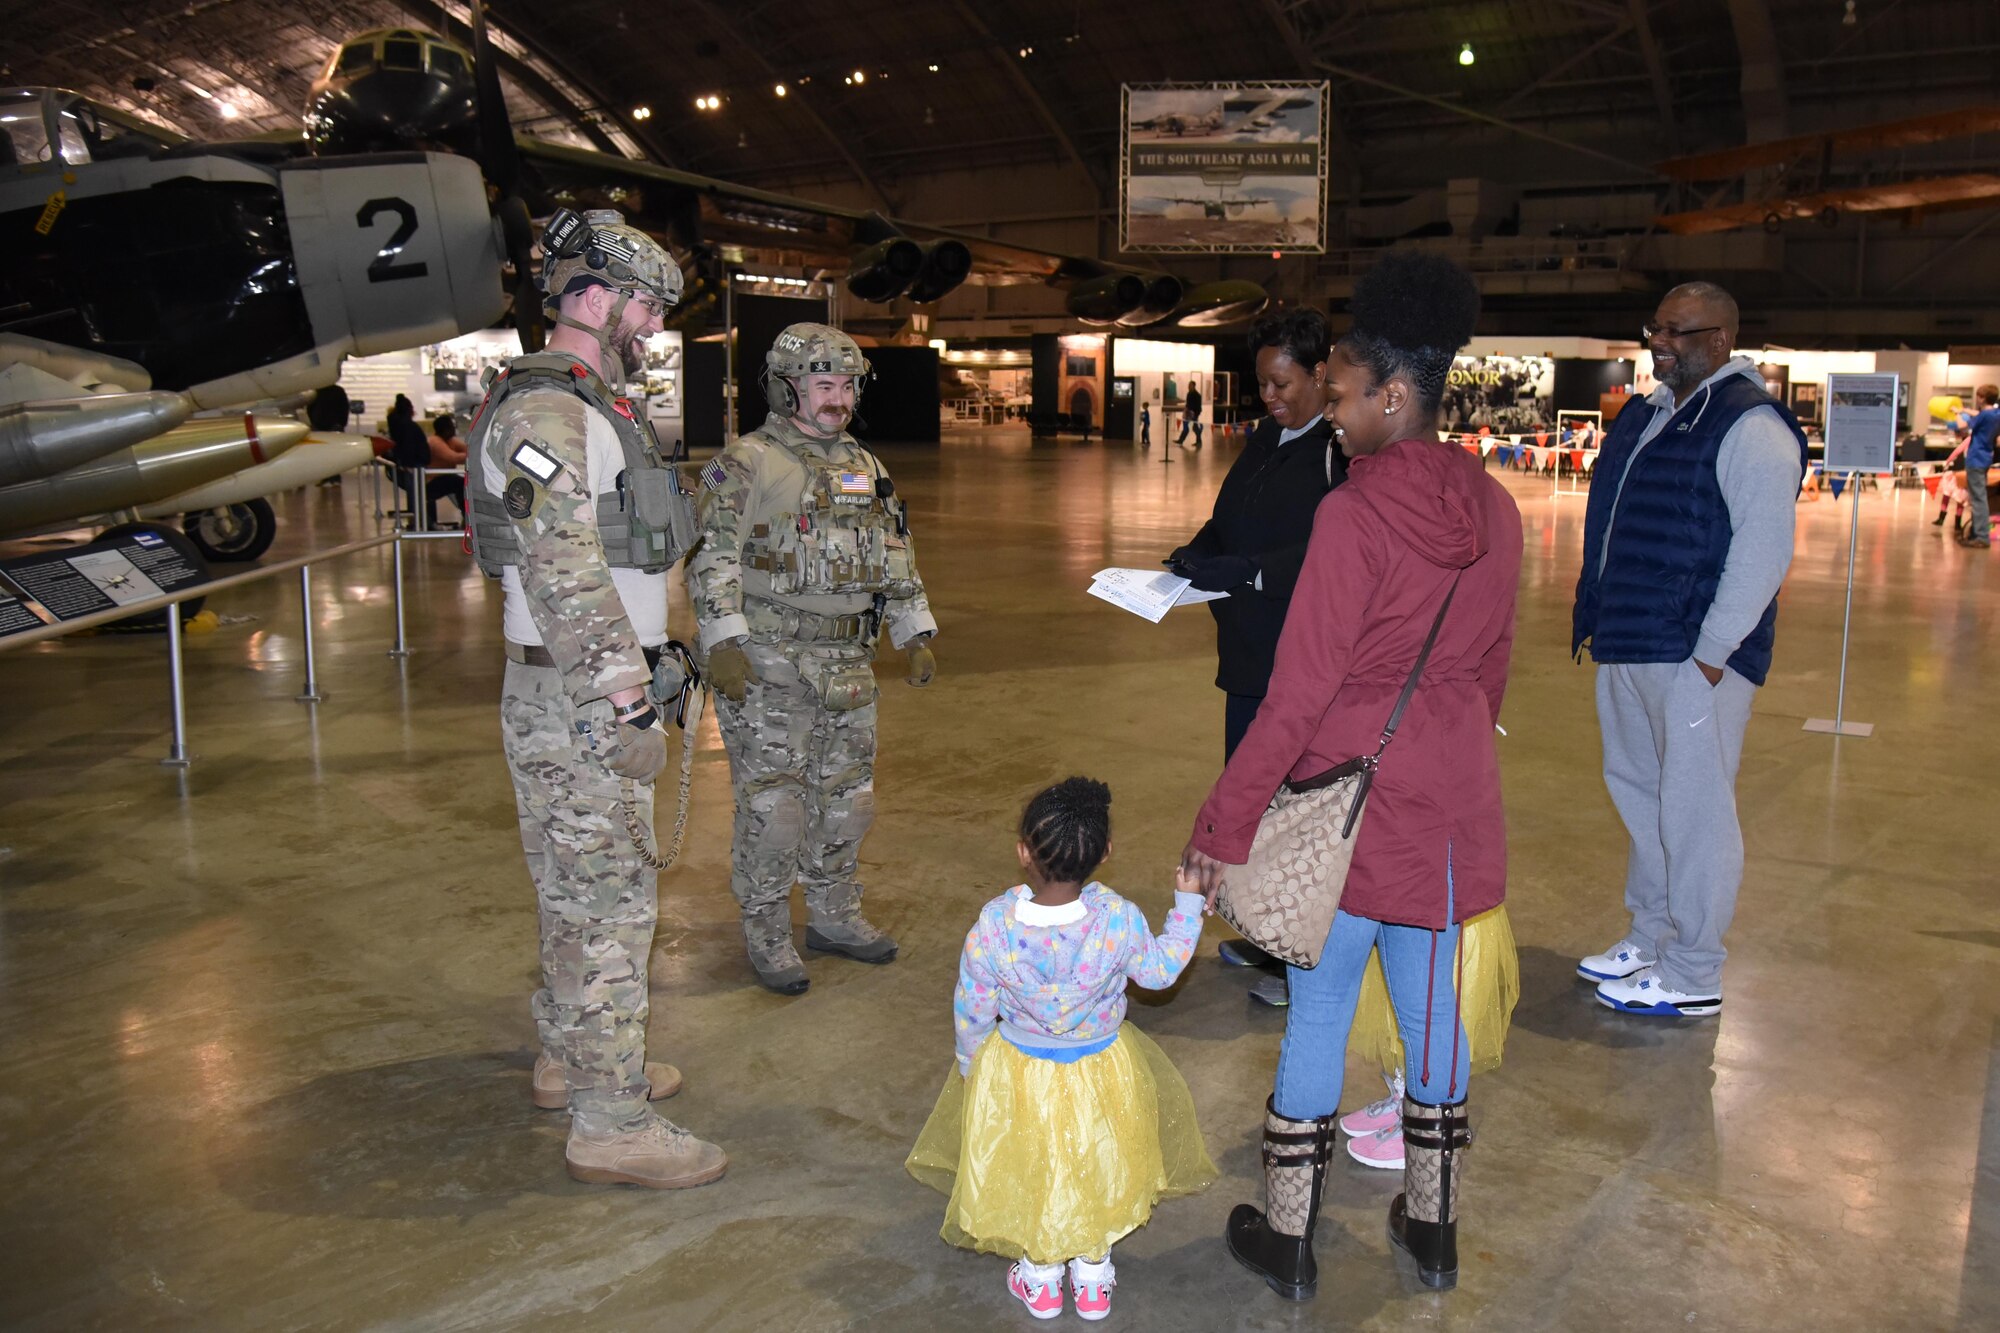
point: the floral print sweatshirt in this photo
(1062, 985)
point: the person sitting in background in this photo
(447, 450)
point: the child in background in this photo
(1063, 1124)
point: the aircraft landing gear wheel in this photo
(233, 533)
(174, 537)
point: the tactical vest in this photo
(843, 537)
(646, 521)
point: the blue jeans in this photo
(1421, 968)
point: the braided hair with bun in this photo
(1412, 312)
(1067, 829)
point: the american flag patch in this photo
(714, 475)
(856, 483)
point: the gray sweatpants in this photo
(1672, 743)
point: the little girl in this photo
(1060, 1129)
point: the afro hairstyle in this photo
(1412, 312)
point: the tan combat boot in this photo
(661, 1156)
(551, 1090)
(768, 937)
(852, 938)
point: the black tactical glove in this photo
(1182, 562)
(1220, 573)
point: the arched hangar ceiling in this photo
(877, 91)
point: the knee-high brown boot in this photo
(1276, 1243)
(1423, 1221)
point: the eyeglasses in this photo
(654, 307)
(1648, 332)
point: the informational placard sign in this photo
(1860, 423)
(16, 616)
(1223, 168)
(81, 581)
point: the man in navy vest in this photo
(1685, 542)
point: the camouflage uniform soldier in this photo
(804, 556)
(573, 509)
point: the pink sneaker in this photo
(1037, 1287)
(1383, 1148)
(1092, 1284)
(1377, 1116)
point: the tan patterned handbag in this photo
(1283, 898)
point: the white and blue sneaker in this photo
(1644, 993)
(1620, 960)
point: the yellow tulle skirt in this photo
(1057, 1161)
(1491, 986)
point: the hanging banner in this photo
(1508, 395)
(1223, 168)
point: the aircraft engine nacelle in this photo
(884, 270)
(1163, 294)
(1212, 305)
(1108, 299)
(946, 264)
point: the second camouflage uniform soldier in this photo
(804, 558)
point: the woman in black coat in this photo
(1255, 541)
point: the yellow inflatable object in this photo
(1492, 986)
(1945, 406)
(205, 623)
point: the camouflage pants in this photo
(598, 900)
(804, 777)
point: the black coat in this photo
(1265, 511)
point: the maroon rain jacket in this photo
(1384, 549)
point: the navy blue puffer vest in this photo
(1656, 533)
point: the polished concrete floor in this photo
(267, 1037)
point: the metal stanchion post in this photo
(177, 755)
(402, 648)
(312, 694)
(375, 486)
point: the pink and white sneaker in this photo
(1377, 1116)
(1091, 1283)
(1039, 1287)
(1383, 1148)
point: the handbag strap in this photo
(1410, 685)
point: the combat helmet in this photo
(808, 349)
(601, 247)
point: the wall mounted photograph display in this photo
(1223, 168)
(1805, 403)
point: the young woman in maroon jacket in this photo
(1417, 520)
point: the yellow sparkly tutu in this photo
(1492, 984)
(1057, 1161)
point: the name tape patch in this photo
(537, 464)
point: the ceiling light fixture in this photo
(1465, 56)
(861, 76)
(642, 113)
(1027, 51)
(933, 68)
(226, 111)
(780, 90)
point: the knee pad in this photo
(776, 814)
(847, 817)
